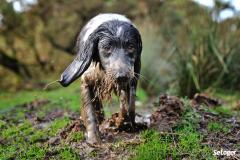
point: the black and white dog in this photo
(108, 59)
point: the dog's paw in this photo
(93, 138)
(93, 141)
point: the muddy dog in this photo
(108, 60)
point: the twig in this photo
(47, 85)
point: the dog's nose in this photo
(121, 78)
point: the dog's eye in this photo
(131, 48)
(107, 47)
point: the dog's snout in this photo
(121, 78)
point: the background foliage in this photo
(184, 49)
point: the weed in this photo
(20, 115)
(217, 127)
(68, 153)
(93, 154)
(77, 136)
(41, 114)
(155, 146)
(2, 124)
(8, 152)
(35, 151)
(10, 132)
(38, 135)
(58, 124)
(223, 110)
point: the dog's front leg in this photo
(123, 107)
(131, 109)
(88, 114)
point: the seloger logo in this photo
(224, 153)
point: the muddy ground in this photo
(120, 142)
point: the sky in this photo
(224, 14)
(210, 3)
(21, 5)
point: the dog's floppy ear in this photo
(80, 64)
(137, 64)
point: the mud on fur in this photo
(108, 60)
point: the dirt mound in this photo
(167, 114)
(112, 135)
(112, 140)
(111, 124)
(202, 98)
(169, 109)
(75, 126)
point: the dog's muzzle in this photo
(123, 79)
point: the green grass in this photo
(38, 135)
(18, 138)
(34, 152)
(77, 136)
(23, 140)
(2, 124)
(223, 110)
(68, 97)
(68, 153)
(142, 95)
(185, 142)
(230, 100)
(217, 127)
(155, 146)
(228, 95)
(57, 124)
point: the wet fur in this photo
(98, 81)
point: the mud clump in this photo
(75, 126)
(167, 114)
(202, 98)
(112, 124)
(169, 109)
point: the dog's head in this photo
(114, 41)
